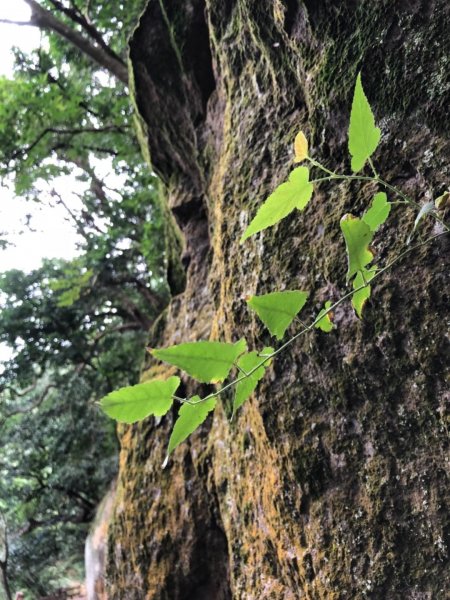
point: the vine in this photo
(212, 362)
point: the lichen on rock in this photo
(332, 480)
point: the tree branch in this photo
(24, 23)
(44, 19)
(20, 393)
(122, 327)
(97, 186)
(75, 15)
(22, 410)
(84, 516)
(87, 218)
(99, 149)
(71, 131)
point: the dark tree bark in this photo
(332, 480)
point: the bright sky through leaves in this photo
(53, 236)
(25, 38)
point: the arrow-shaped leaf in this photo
(134, 403)
(325, 323)
(360, 297)
(247, 386)
(277, 310)
(363, 136)
(189, 418)
(378, 212)
(209, 362)
(294, 193)
(357, 236)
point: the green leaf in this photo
(378, 211)
(134, 403)
(360, 298)
(443, 201)
(209, 362)
(278, 309)
(294, 193)
(325, 323)
(76, 279)
(189, 418)
(363, 136)
(357, 236)
(246, 387)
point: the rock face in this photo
(331, 482)
(96, 547)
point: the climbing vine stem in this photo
(375, 179)
(311, 326)
(213, 361)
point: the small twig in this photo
(21, 23)
(300, 322)
(375, 179)
(184, 400)
(317, 164)
(22, 410)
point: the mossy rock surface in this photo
(332, 481)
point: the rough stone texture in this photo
(332, 481)
(95, 550)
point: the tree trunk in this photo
(331, 481)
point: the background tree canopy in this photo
(76, 329)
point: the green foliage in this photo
(209, 362)
(56, 462)
(358, 236)
(70, 118)
(324, 321)
(250, 365)
(58, 452)
(136, 402)
(378, 211)
(76, 326)
(76, 279)
(277, 310)
(189, 418)
(295, 193)
(363, 136)
(360, 296)
(104, 329)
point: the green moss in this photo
(330, 482)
